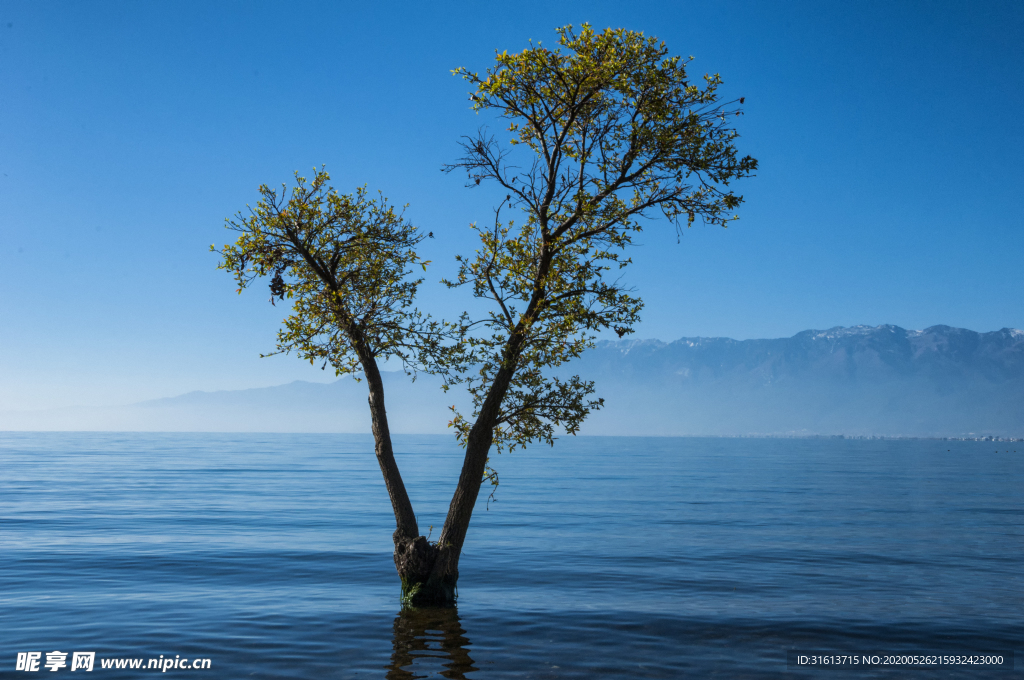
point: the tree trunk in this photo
(440, 588)
(414, 556)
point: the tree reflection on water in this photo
(427, 639)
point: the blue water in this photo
(602, 557)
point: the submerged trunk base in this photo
(421, 587)
(427, 594)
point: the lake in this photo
(603, 557)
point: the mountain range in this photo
(861, 381)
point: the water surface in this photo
(602, 557)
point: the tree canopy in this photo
(604, 133)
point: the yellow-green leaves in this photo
(343, 262)
(608, 114)
(606, 131)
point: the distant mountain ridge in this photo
(881, 351)
(866, 380)
(862, 380)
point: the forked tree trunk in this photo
(430, 572)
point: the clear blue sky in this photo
(889, 136)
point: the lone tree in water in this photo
(345, 264)
(612, 131)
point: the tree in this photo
(344, 262)
(613, 132)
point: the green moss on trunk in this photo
(427, 594)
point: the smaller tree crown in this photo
(345, 262)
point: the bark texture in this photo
(405, 518)
(414, 555)
(445, 573)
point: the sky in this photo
(888, 136)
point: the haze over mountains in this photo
(885, 380)
(882, 380)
